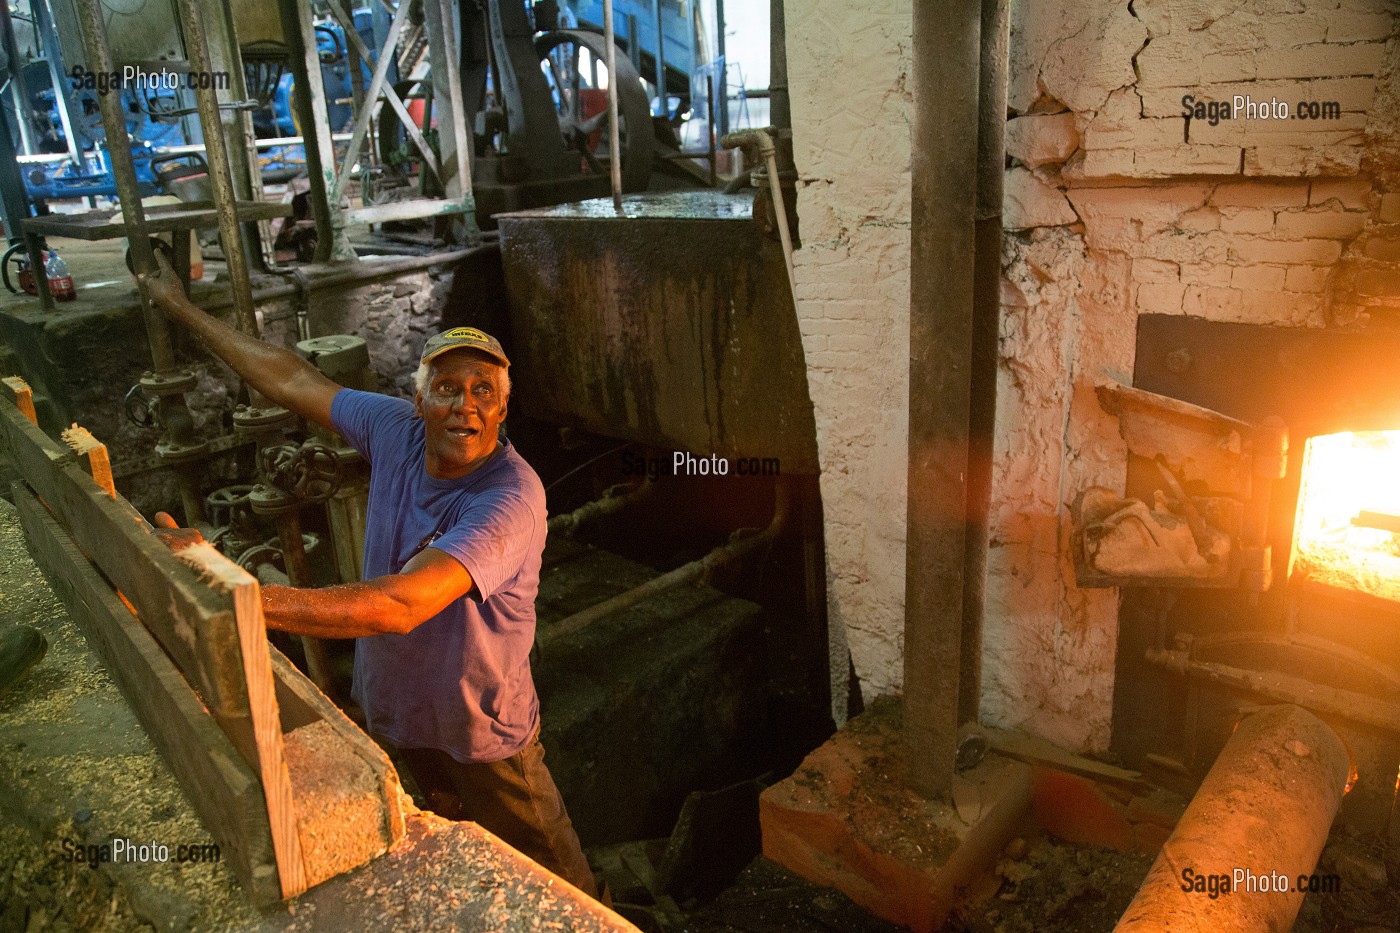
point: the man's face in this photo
(462, 411)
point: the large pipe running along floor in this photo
(1257, 824)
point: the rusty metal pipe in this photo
(687, 573)
(767, 149)
(614, 136)
(318, 661)
(1258, 822)
(1285, 688)
(220, 172)
(610, 502)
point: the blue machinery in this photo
(522, 83)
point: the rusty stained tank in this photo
(671, 325)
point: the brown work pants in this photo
(515, 798)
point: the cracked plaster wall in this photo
(848, 68)
(1116, 204)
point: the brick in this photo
(1292, 29)
(1200, 220)
(1205, 273)
(1138, 133)
(1390, 208)
(1031, 202)
(1210, 247)
(1382, 248)
(1320, 60)
(1384, 282)
(1260, 194)
(1298, 225)
(1155, 271)
(1246, 220)
(1042, 139)
(1353, 193)
(1271, 307)
(1208, 302)
(1308, 279)
(1100, 163)
(1171, 60)
(1076, 810)
(1227, 66)
(1348, 128)
(1273, 161)
(1160, 298)
(1258, 277)
(1318, 252)
(1352, 26)
(1187, 159)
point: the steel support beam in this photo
(943, 189)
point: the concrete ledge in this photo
(844, 819)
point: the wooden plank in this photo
(227, 577)
(301, 704)
(22, 396)
(223, 789)
(82, 443)
(1037, 751)
(194, 624)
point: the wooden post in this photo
(189, 650)
(227, 577)
(99, 465)
(22, 395)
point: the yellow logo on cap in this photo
(467, 333)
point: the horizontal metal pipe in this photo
(610, 502)
(1286, 688)
(720, 556)
(1257, 823)
(273, 143)
(360, 272)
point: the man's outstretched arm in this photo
(278, 373)
(395, 603)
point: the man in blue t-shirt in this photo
(445, 615)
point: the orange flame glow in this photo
(1348, 529)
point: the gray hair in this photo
(421, 378)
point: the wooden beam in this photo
(195, 625)
(227, 577)
(82, 443)
(22, 396)
(221, 786)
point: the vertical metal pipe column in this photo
(614, 137)
(986, 325)
(225, 55)
(309, 101)
(175, 416)
(943, 188)
(216, 152)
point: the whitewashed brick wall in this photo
(848, 64)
